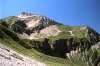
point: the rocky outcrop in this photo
(9, 57)
(32, 26)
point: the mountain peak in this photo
(26, 15)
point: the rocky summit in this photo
(32, 26)
(39, 34)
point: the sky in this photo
(68, 12)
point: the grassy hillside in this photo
(16, 45)
(25, 47)
(8, 40)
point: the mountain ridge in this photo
(46, 35)
(36, 23)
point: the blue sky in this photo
(69, 12)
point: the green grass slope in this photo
(8, 39)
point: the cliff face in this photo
(61, 47)
(48, 36)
